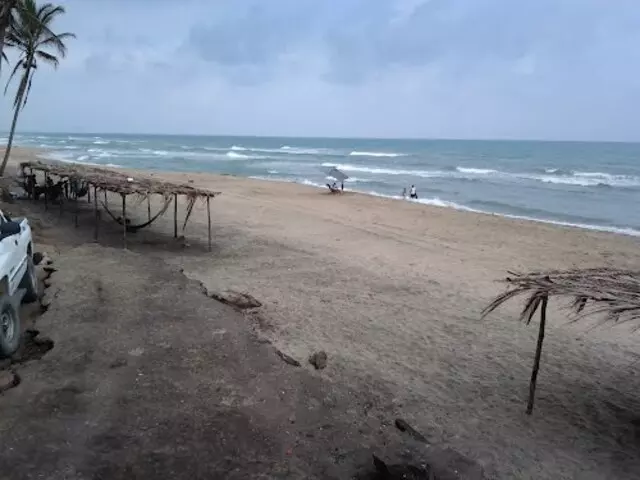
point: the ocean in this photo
(588, 185)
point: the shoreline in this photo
(430, 202)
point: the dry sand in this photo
(392, 291)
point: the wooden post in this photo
(175, 215)
(105, 199)
(148, 207)
(62, 196)
(46, 191)
(75, 201)
(124, 220)
(209, 220)
(536, 362)
(33, 185)
(95, 212)
(88, 193)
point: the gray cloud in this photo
(430, 68)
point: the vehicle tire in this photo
(10, 332)
(30, 282)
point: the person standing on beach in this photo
(404, 193)
(413, 193)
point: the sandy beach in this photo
(393, 292)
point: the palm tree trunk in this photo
(7, 152)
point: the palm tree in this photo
(30, 33)
(6, 15)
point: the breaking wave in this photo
(357, 153)
(578, 179)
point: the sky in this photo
(480, 69)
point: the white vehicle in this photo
(18, 279)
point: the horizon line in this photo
(326, 137)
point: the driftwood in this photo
(613, 294)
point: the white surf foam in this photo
(476, 171)
(357, 153)
(237, 155)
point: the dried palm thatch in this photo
(120, 183)
(613, 294)
(117, 182)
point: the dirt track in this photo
(152, 379)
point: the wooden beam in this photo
(536, 362)
(124, 220)
(209, 220)
(62, 196)
(46, 191)
(175, 215)
(96, 213)
(33, 186)
(75, 201)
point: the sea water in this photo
(583, 184)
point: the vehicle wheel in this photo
(9, 327)
(30, 283)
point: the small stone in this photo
(318, 360)
(118, 362)
(46, 282)
(45, 301)
(49, 269)
(8, 380)
(37, 258)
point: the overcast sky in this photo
(550, 69)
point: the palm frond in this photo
(47, 57)
(614, 293)
(13, 72)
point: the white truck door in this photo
(15, 258)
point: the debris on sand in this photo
(8, 380)
(403, 426)
(37, 258)
(401, 471)
(287, 359)
(240, 300)
(318, 360)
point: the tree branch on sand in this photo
(611, 293)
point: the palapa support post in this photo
(124, 220)
(536, 362)
(209, 219)
(175, 215)
(105, 199)
(95, 212)
(75, 201)
(148, 207)
(46, 191)
(89, 194)
(33, 185)
(62, 197)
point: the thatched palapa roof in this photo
(614, 293)
(117, 182)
